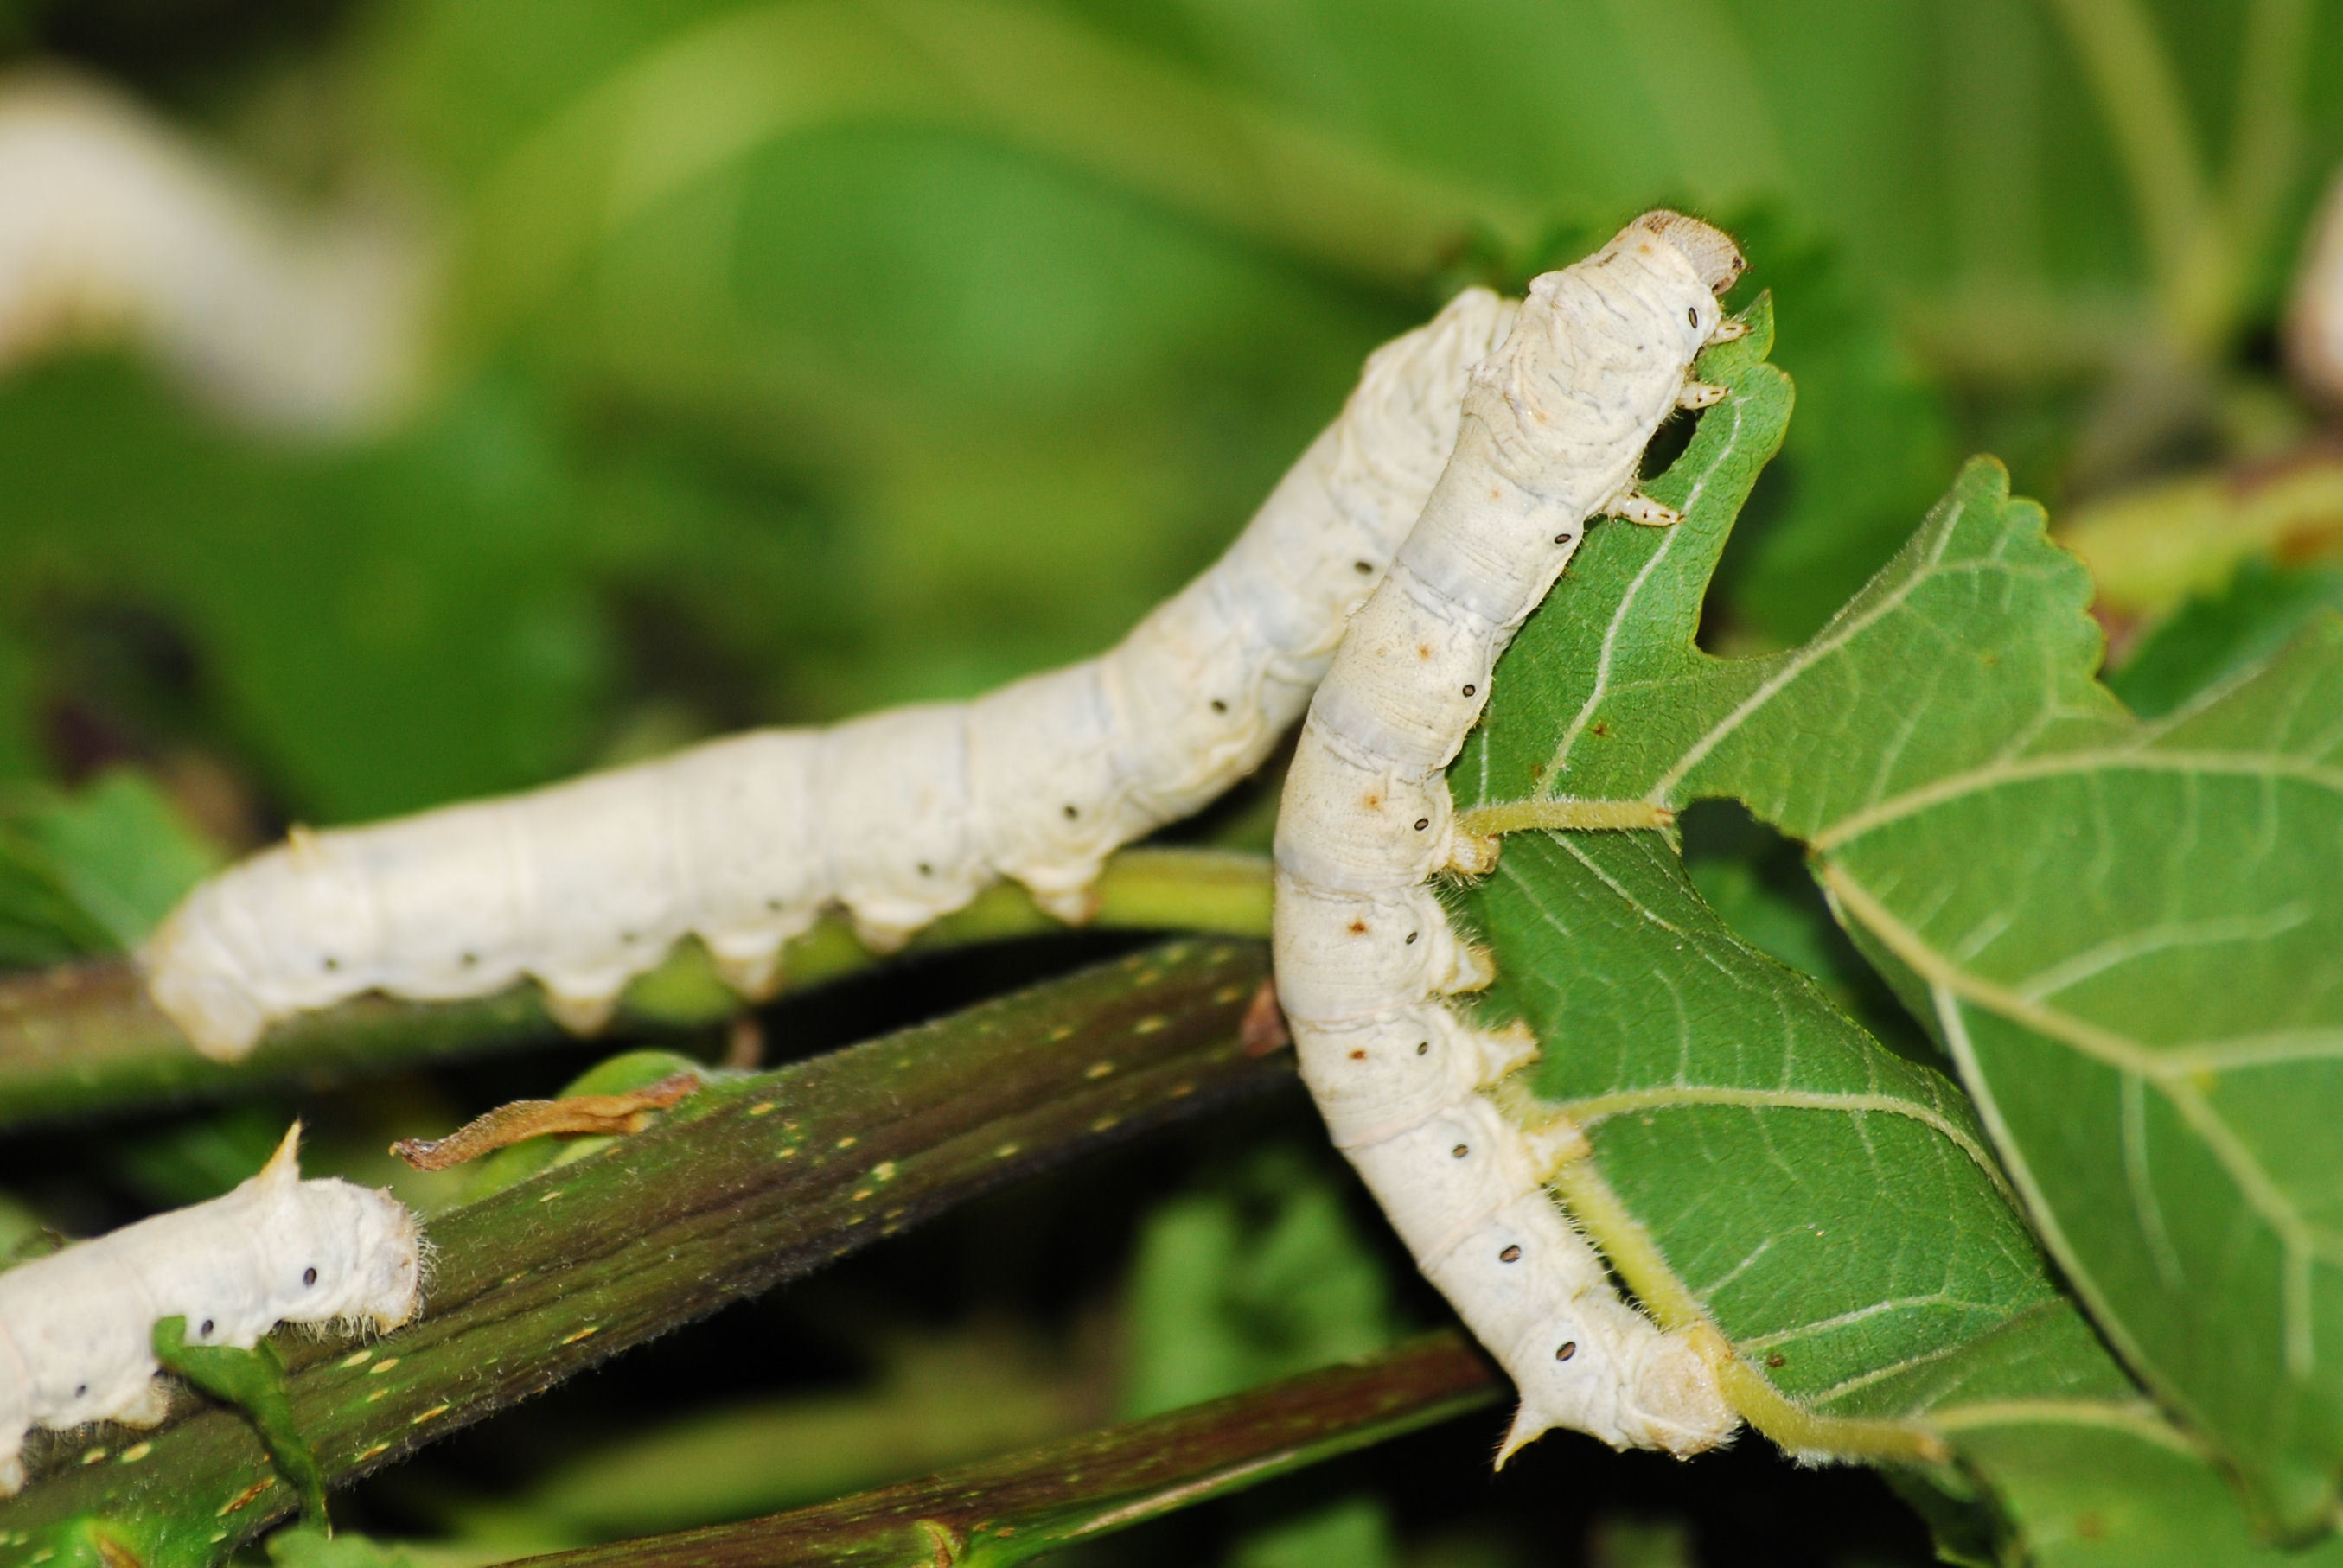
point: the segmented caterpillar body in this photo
(1553, 425)
(898, 818)
(75, 1328)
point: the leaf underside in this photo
(2126, 935)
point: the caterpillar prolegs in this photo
(75, 1327)
(1553, 425)
(898, 818)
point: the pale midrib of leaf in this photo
(1951, 985)
(2069, 764)
(2135, 1418)
(1595, 1109)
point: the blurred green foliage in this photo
(792, 356)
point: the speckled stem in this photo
(1009, 1510)
(748, 1182)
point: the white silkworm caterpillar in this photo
(1554, 425)
(898, 818)
(113, 224)
(77, 1327)
(2314, 328)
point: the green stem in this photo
(83, 1037)
(2267, 147)
(1027, 77)
(751, 1181)
(1010, 1510)
(2155, 142)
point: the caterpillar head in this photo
(196, 980)
(335, 1251)
(1674, 1403)
(1711, 251)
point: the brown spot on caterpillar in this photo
(471, 960)
(1461, 1150)
(1421, 823)
(1569, 1349)
(1692, 315)
(309, 1275)
(1071, 814)
(1564, 537)
(527, 1118)
(1422, 1047)
(1424, 650)
(1358, 1056)
(1358, 928)
(1468, 691)
(1374, 802)
(1365, 568)
(1510, 1255)
(1411, 936)
(926, 870)
(1264, 1028)
(1218, 706)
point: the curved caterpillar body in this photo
(114, 224)
(75, 1328)
(1553, 425)
(898, 818)
(2314, 328)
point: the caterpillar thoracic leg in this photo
(1553, 425)
(75, 1328)
(898, 818)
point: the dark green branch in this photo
(749, 1182)
(83, 1037)
(1006, 1511)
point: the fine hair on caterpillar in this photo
(77, 1327)
(895, 818)
(1553, 427)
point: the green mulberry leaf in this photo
(2078, 905)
